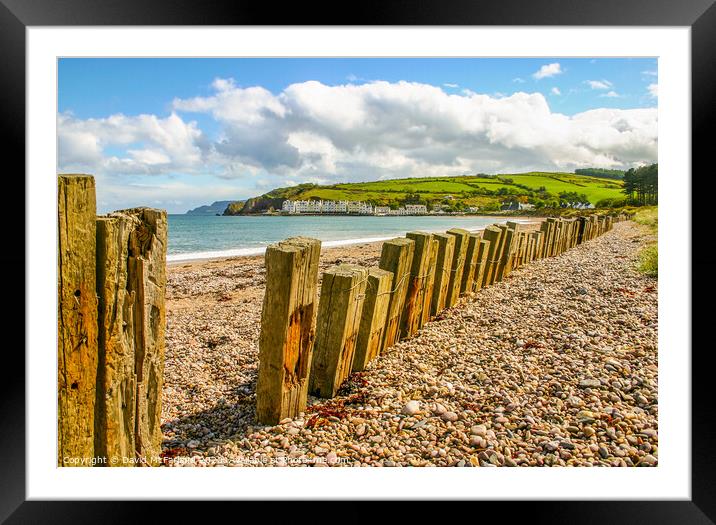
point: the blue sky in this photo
(176, 132)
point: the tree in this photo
(641, 185)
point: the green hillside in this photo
(458, 193)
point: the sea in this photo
(193, 237)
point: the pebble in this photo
(449, 416)
(411, 408)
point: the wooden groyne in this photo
(111, 325)
(364, 312)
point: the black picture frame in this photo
(17, 15)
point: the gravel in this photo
(555, 366)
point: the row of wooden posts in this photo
(307, 346)
(111, 322)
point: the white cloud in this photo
(353, 132)
(610, 94)
(650, 73)
(448, 84)
(653, 90)
(555, 91)
(519, 80)
(599, 84)
(548, 70)
(165, 144)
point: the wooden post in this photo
(373, 318)
(544, 229)
(116, 402)
(581, 230)
(468, 275)
(76, 320)
(419, 274)
(146, 268)
(536, 238)
(552, 235)
(497, 275)
(131, 262)
(493, 235)
(339, 315)
(396, 257)
(430, 281)
(446, 248)
(458, 265)
(480, 264)
(506, 257)
(519, 252)
(288, 327)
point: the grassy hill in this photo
(484, 191)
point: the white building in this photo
(382, 210)
(416, 209)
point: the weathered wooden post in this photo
(373, 318)
(147, 275)
(506, 258)
(480, 264)
(497, 274)
(544, 229)
(493, 235)
(446, 248)
(536, 241)
(397, 257)
(581, 230)
(430, 281)
(520, 250)
(468, 275)
(288, 327)
(339, 314)
(553, 237)
(131, 286)
(116, 404)
(458, 265)
(76, 320)
(419, 273)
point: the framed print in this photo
(418, 246)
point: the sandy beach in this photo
(557, 365)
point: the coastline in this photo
(501, 379)
(180, 259)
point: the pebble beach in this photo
(554, 366)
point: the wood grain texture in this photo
(288, 328)
(507, 256)
(146, 264)
(493, 235)
(430, 281)
(468, 275)
(417, 284)
(339, 315)
(458, 265)
(115, 415)
(374, 316)
(396, 257)
(76, 319)
(446, 248)
(480, 264)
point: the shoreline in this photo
(179, 259)
(556, 365)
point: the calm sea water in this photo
(200, 237)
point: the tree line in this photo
(641, 185)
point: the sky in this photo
(179, 133)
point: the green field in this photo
(467, 188)
(486, 192)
